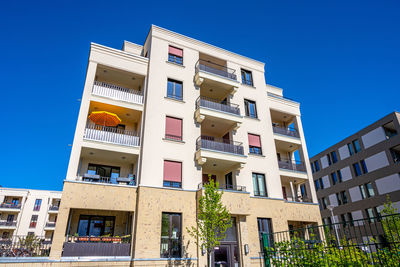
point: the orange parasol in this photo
(104, 118)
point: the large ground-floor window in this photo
(171, 232)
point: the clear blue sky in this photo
(340, 59)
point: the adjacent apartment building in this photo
(28, 212)
(155, 121)
(356, 175)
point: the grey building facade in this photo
(356, 175)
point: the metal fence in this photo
(207, 102)
(214, 68)
(365, 242)
(219, 144)
(25, 246)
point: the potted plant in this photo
(83, 238)
(95, 238)
(116, 239)
(75, 237)
(106, 238)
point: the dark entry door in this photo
(228, 181)
(226, 255)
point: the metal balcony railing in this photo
(8, 223)
(285, 131)
(111, 135)
(10, 206)
(207, 102)
(54, 207)
(219, 144)
(292, 165)
(51, 224)
(117, 92)
(230, 187)
(214, 68)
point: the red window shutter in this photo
(254, 140)
(175, 51)
(172, 171)
(173, 127)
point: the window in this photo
(370, 214)
(105, 172)
(264, 232)
(15, 201)
(174, 89)
(328, 157)
(362, 190)
(357, 147)
(316, 182)
(350, 147)
(367, 190)
(364, 167)
(357, 169)
(390, 130)
(324, 202)
(38, 203)
(93, 225)
(175, 55)
(247, 77)
(395, 152)
(343, 219)
(171, 230)
(250, 108)
(339, 175)
(341, 198)
(172, 174)
(321, 183)
(259, 185)
(303, 190)
(173, 128)
(254, 144)
(33, 222)
(316, 163)
(334, 178)
(334, 156)
(312, 167)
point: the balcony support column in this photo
(292, 190)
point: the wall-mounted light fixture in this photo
(203, 251)
(246, 249)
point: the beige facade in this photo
(20, 207)
(239, 130)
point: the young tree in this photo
(213, 219)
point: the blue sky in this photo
(340, 59)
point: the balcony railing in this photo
(214, 68)
(229, 187)
(10, 206)
(111, 135)
(54, 207)
(286, 131)
(95, 178)
(292, 165)
(51, 224)
(117, 92)
(97, 246)
(25, 246)
(206, 102)
(219, 144)
(8, 223)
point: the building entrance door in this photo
(227, 253)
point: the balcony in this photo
(292, 168)
(220, 112)
(95, 178)
(213, 74)
(116, 92)
(86, 246)
(53, 208)
(285, 131)
(10, 207)
(8, 224)
(50, 226)
(111, 135)
(219, 151)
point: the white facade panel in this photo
(333, 200)
(346, 174)
(373, 137)
(388, 184)
(355, 194)
(326, 181)
(377, 161)
(324, 162)
(344, 152)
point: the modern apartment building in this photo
(155, 121)
(28, 212)
(356, 175)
